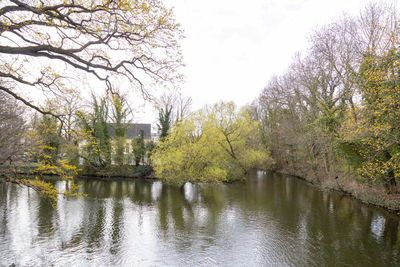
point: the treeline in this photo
(336, 111)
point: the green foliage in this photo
(96, 146)
(213, 145)
(120, 127)
(164, 121)
(378, 130)
(138, 148)
(349, 150)
(143, 171)
(150, 146)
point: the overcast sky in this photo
(232, 47)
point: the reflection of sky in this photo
(378, 226)
(156, 188)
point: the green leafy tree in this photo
(375, 138)
(150, 146)
(138, 148)
(95, 135)
(119, 117)
(164, 121)
(213, 145)
(44, 147)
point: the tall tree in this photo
(172, 108)
(12, 128)
(164, 121)
(138, 148)
(323, 109)
(119, 124)
(96, 135)
(375, 138)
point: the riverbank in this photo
(125, 172)
(114, 172)
(367, 193)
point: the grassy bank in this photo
(119, 172)
(111, 172)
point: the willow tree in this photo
(215, 144)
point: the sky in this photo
(233, 47)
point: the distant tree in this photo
(119, 123)
(150, 146)
(12, 128)
(138, 148)
(164, 121)
(48, 131)
(95, 135)
(172, 108)
(183, 106)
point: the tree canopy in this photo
(109, 39)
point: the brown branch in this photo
(27, 103)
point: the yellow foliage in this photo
(46, 165)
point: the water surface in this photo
(269, 220)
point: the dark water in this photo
(270, 220)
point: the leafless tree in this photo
(180, 105)
(12, 128)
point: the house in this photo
(133, 130)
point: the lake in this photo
(269, 220)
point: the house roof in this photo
(133, 130)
